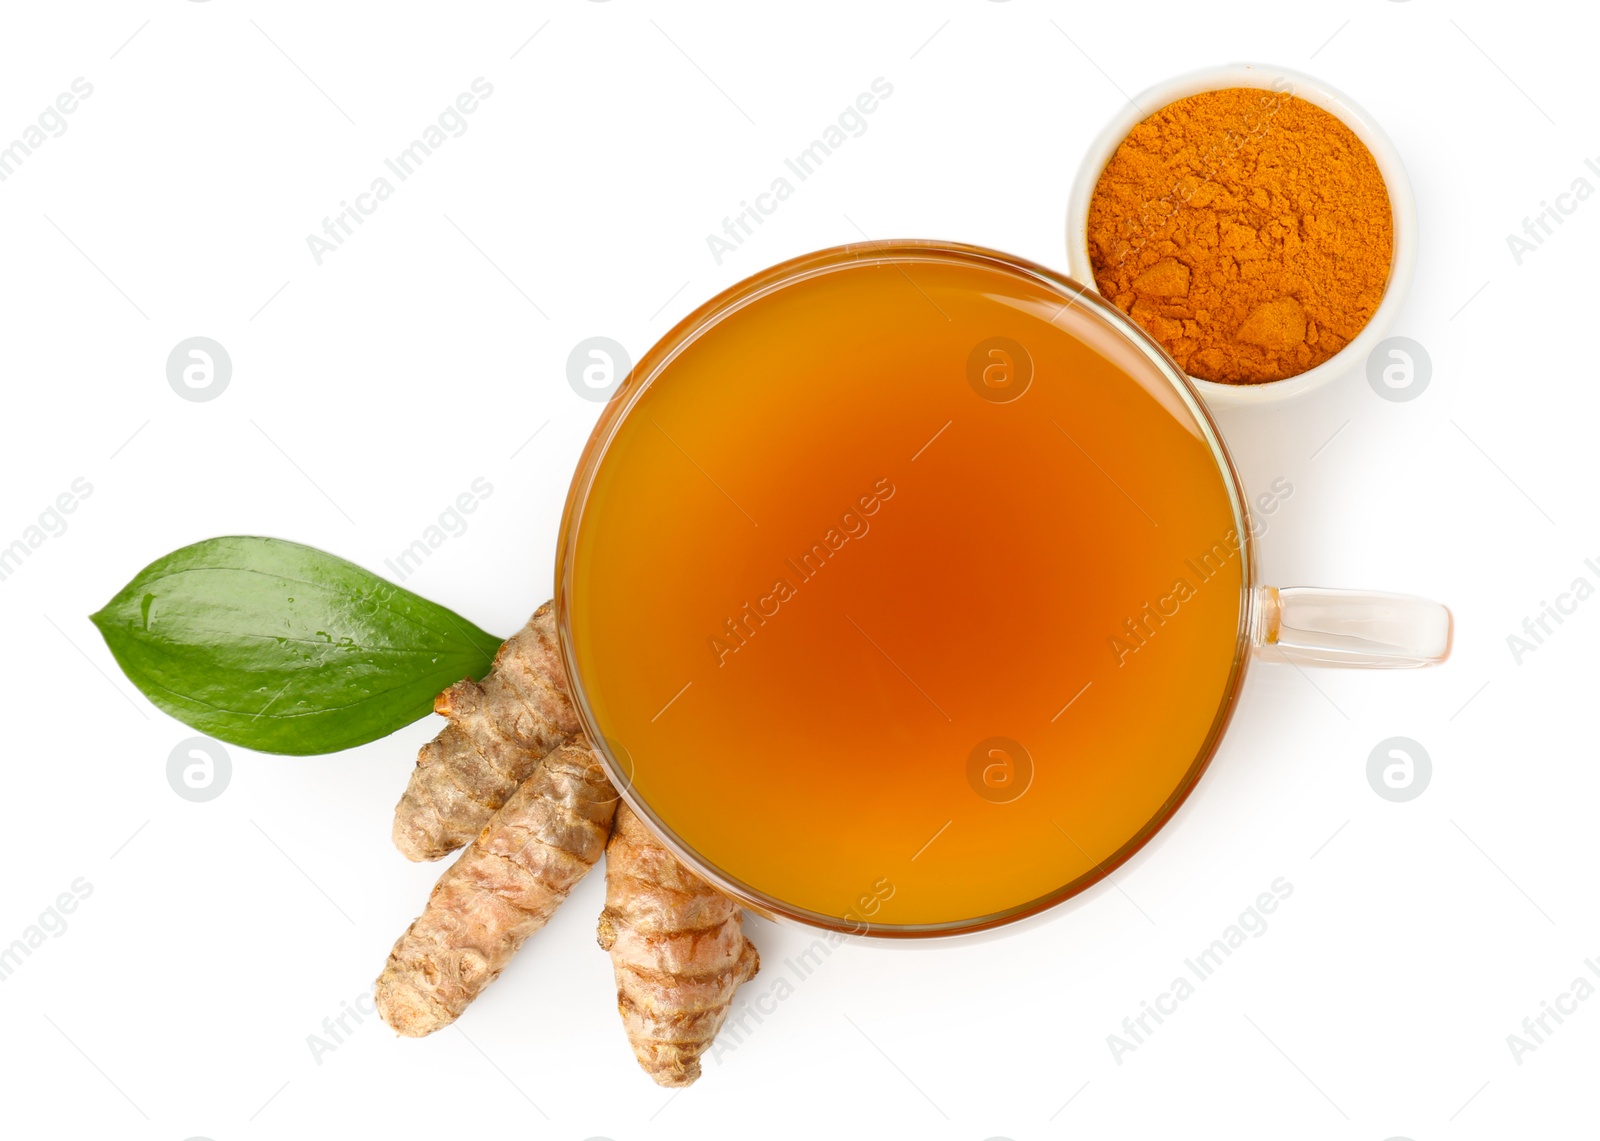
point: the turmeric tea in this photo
(924, 571)
(1247, 230)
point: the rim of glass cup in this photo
(1402, 207)
(700, 322)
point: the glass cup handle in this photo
(1320, 627)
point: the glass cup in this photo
(623, 531)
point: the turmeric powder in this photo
(1247, 230)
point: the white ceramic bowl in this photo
(1260, 75)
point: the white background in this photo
(369, 391)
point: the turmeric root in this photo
(504, 887)
(498, 731)
(678, 950)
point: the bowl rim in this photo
(1402, 206)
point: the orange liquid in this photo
(818, 569)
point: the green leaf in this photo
(284, 648)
